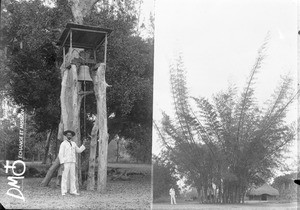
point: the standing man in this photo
(67, 157)
(172, 194)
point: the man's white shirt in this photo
(172, 192)
(67, 151)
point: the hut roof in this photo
(264, 189)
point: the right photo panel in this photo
(225, 105)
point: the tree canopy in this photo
(30, 31)
(229, 143)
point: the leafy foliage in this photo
(231, 142)
(35, 85)
(287, 179)
(163, 177)
(140, 147)
(286, 187)
(32, 79)
(9, 140)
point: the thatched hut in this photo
(264, 193)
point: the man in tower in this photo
(67, 157)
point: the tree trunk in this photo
(243, 194)
(234, 191)
(100, 92)
(220, 195)
(70, 107)
(239, 194)
(199, 193)
(92, 158)
(80, 8)
(118, 148)
(56, 148)
(55, 165)
(205, 194)
(47, 146)
(225, 193)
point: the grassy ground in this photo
(133, 194)
(249, 205)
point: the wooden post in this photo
(118, 149)
(71, 48)
(92, 159)
(70, 109)
(64, 55)
(105, 49)
(100, 93)
(95, 58)
(48, 139)
(76, 103)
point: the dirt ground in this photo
(256, 205)
(133, 194)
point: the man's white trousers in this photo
(173, 199)
(68, 168)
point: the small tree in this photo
(163, 177)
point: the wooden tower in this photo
(80, 46)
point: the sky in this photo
(219, 40)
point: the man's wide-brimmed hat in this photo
(69, 131)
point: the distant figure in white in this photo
(172, 194)
(67, 158)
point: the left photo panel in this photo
(76, 93)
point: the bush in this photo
(163, 178)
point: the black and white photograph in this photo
(76, 104)
(149, 104)
(225, 104)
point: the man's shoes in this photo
(63, 194)
(75, 193)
